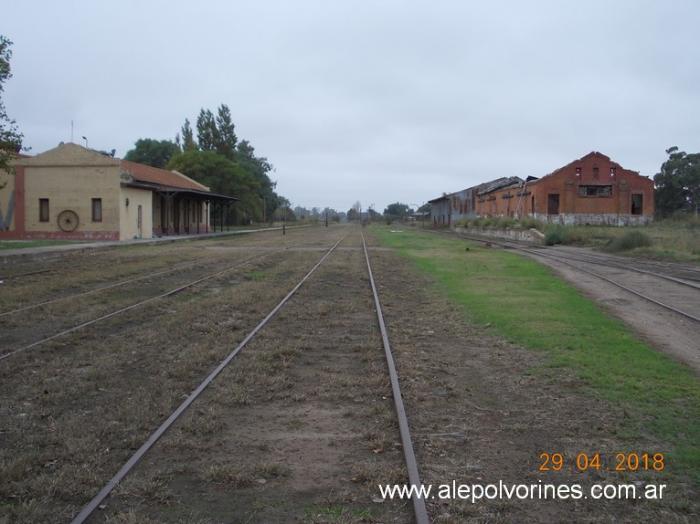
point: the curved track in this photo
(569, 261)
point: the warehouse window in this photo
(595, 191)
(43, 210)
(637, 204)
(97, 210)
(596, 172)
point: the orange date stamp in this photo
(595, 461)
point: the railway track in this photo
(684, 281)
(125, 309)
(104, 249)
(419, 509)
(98, 289)
(572, 262)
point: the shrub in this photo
(530, 222)
(553, 237)
(505, 222)
(557, 234)
(630, 240)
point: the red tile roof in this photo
(154, 175)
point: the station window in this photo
(596, 172)
(97, 210)
(43, 210)
(595, 191)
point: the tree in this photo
(188, 143)
(259, 167)
(425, 208)
(222, 176)
(397, 210)
(156, 153)
(207, 132)
(10, 137)
(678, 183)
(225, 135)
(216, 134)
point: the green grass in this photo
(23, 244)
(527, 304)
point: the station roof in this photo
(171, 190)
(163, 177)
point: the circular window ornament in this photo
(68, 221)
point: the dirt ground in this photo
(300, 427)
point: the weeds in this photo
(628, 241)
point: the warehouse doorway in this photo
(637, 204)
(553, 204)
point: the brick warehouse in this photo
(75, 193)
(450, 208)
(591, 190)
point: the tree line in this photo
(10, 136)
(212, 155)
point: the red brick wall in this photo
(566, 181)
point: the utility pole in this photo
(326, 217)
(284, 221)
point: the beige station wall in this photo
(72, 187)
(7, 187)
(129, 214)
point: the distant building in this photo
(71, 192)
(452, 207)
(591, 190)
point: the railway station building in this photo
(74, 193)
(591, 190)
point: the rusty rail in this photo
(91, 506)
(129, 308)
(98, 289)
(564, 260)
(419, 509)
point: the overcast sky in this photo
(374, 101)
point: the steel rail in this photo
(98, 289)
(91, 506)
(599, 262)
(8, 277)
(419, 509)
(204, 236)
(130, 307)
(562, 260)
